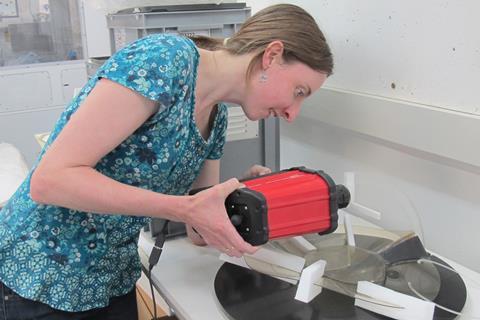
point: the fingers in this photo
(256, 171)
(235, 252)
(214, 225)
(238, 243)
(230, 185)
(233, 243)
(234, 248)
(232, 252)
(261, 170)
(228, 241)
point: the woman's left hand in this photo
(256, 171)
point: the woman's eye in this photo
(299, 93)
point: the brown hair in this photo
(293, 26)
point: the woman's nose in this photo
(291, 112)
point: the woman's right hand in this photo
(209, 218)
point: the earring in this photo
(263, 77)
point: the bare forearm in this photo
(83, 188)
(209, 176)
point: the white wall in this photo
(32, 97)
(97, 37)
(414, 146)
(446, 198)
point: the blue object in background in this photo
(72, 55)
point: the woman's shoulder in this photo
(163, 51)
(156, 65)
(164, 43)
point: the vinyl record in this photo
(247, 294)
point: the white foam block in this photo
(273, 257)
(307, 289)
(412, 308)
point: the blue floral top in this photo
(76, 261)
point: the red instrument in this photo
(286, 203)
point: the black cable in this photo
(153, 260)
(3, 301)
(153, 294)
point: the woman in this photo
(148, 127)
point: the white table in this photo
(185, 278)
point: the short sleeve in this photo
(220, 133)
(156, 67)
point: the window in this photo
(37, 31)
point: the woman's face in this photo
(282, 92)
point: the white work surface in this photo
(185, 277)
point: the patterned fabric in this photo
(74, 260)
(14, 307)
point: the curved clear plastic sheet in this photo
(423, 290)
(271, 269)
(424, 276)
(349, 264)
(397, 261)
(345, 264)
